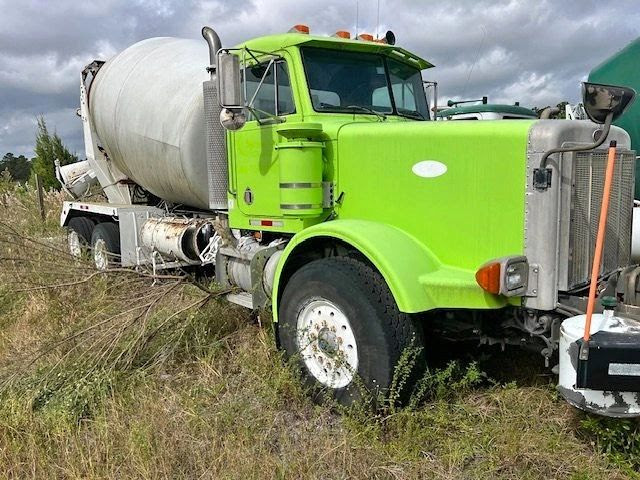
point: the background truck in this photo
(308, 172)
(481, 109)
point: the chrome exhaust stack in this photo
(213, 40)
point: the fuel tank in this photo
(147, 107)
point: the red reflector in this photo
(342, 34)
(488, 277)
(266, 223)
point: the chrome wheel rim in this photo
(101, 254)
(75, 245)
(327, 343)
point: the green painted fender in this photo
(417, 279)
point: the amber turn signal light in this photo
(488, 277)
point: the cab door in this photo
(255, 178)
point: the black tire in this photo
(106, 236)
(83, 226)
(381, 331)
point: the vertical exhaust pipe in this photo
(213, 40)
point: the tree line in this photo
(48, 149)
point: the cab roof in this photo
(273, 43)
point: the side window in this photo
(286, 105)
(268, 100)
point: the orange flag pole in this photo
(602, 226)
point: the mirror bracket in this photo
(542, 181)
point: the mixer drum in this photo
(148, 111)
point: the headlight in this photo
(515, 277)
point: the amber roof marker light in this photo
(300, 28)
(365, 37)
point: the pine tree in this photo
(49, 148)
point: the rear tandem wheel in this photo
(79, 231)
(105, 244)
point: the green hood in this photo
(458, 187)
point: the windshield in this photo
(341, 81)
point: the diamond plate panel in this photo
(217, 166)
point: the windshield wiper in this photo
(380, 115)
(411, 114)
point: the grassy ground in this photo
(110, 376)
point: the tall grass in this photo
(117, 376)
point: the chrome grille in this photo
(586, 199)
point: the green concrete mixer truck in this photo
(307, 171)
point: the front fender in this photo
(417, 279)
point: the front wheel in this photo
(338, 317)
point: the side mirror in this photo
(230, 93)
(603, 100)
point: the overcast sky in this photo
(534, 51)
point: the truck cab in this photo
(305, 89)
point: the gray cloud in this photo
(535, 52)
